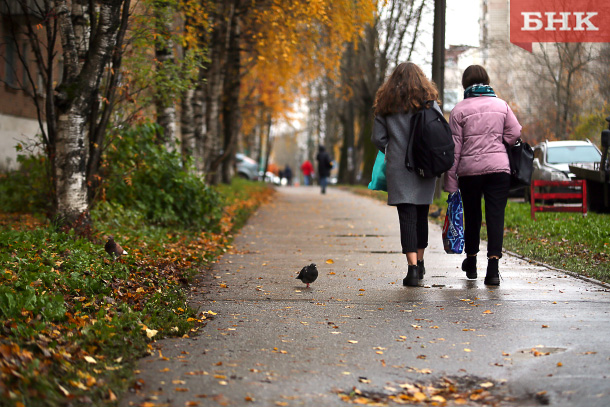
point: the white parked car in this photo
(246, 167)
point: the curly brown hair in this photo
(407, 89)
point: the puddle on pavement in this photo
(535, 352)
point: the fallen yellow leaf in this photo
(151, 332)
(419, 396)
(111, 396)
(330, 261)
(89, 359)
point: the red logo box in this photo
(559, 21)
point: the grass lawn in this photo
(73, 321)
(567, 241)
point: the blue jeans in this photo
(323, 183)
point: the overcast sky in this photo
(461, 28)
(462, 22)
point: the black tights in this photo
(413, 227)
(494, 188)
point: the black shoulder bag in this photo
(521, 159)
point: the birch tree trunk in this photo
(164, 57)
(199, 108)
(87, 40)
(70, 164)
(187, 120)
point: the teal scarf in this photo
(479, 90)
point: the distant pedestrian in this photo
(480, 124)
(403, 94)
(325, 164)
(288, 175)
(307, 170)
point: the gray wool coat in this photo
(391, 135)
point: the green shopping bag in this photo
(378, 180)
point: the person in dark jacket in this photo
(325, 164)
(481, 124)
(288, 175)
(404, 93)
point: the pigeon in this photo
(113, 248)
(308, 274)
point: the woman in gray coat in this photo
(405, 92)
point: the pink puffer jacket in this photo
(479, 124)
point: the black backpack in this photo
(431, 143)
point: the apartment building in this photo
(18, 114)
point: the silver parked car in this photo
(552, 160)
(246, 167)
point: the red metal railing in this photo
(577, 195)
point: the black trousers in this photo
(413, 227)
(494, 188)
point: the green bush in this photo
(145, 176)
(26, 190)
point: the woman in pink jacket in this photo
(480, 124)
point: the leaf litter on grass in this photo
(74, 321)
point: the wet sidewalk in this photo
(542, 337)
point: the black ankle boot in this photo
(412, 278)
(469, 265)
(493, 274)
(421, 270)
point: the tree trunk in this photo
(199, 108)
(368, 148)
(214, 87)
(438, 64)
(231, 110)
(230, 99)
(187, 120)
(438, 48)
(164, 57)
(70, 167)
(94, 36)
(346, 164)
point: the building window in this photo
(25, 81)
(10, 59)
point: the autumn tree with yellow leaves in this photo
(283, 46)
